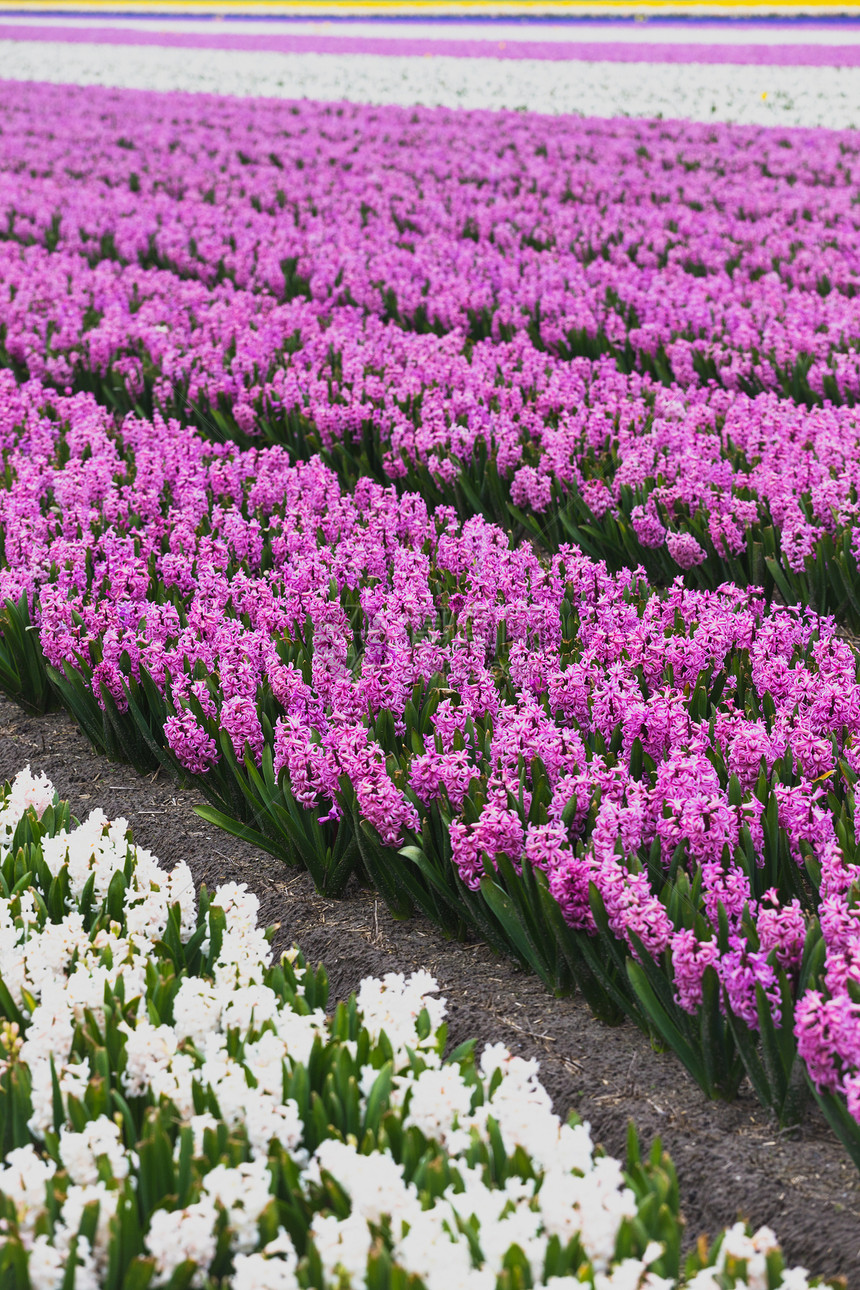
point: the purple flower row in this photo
(694, 479)
(727, 251)
(392, 670)
(463, 45)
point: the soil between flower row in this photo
(731, 1160)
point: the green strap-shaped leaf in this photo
(665, 1026)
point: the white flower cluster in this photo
(227, 1071)
(432, 1243)
(28, 791)
(805, 96)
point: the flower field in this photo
(466, 505)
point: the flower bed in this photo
(178, 1109)
(431, 231)
(362, 686)
(563, 311)
(717, 486)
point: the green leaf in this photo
(666, 1027)
(505, 911)
(239, 830)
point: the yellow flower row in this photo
(448, 8)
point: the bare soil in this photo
(731, 1159)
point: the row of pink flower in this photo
(716, 250)
(549, 425)
(244, 584)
